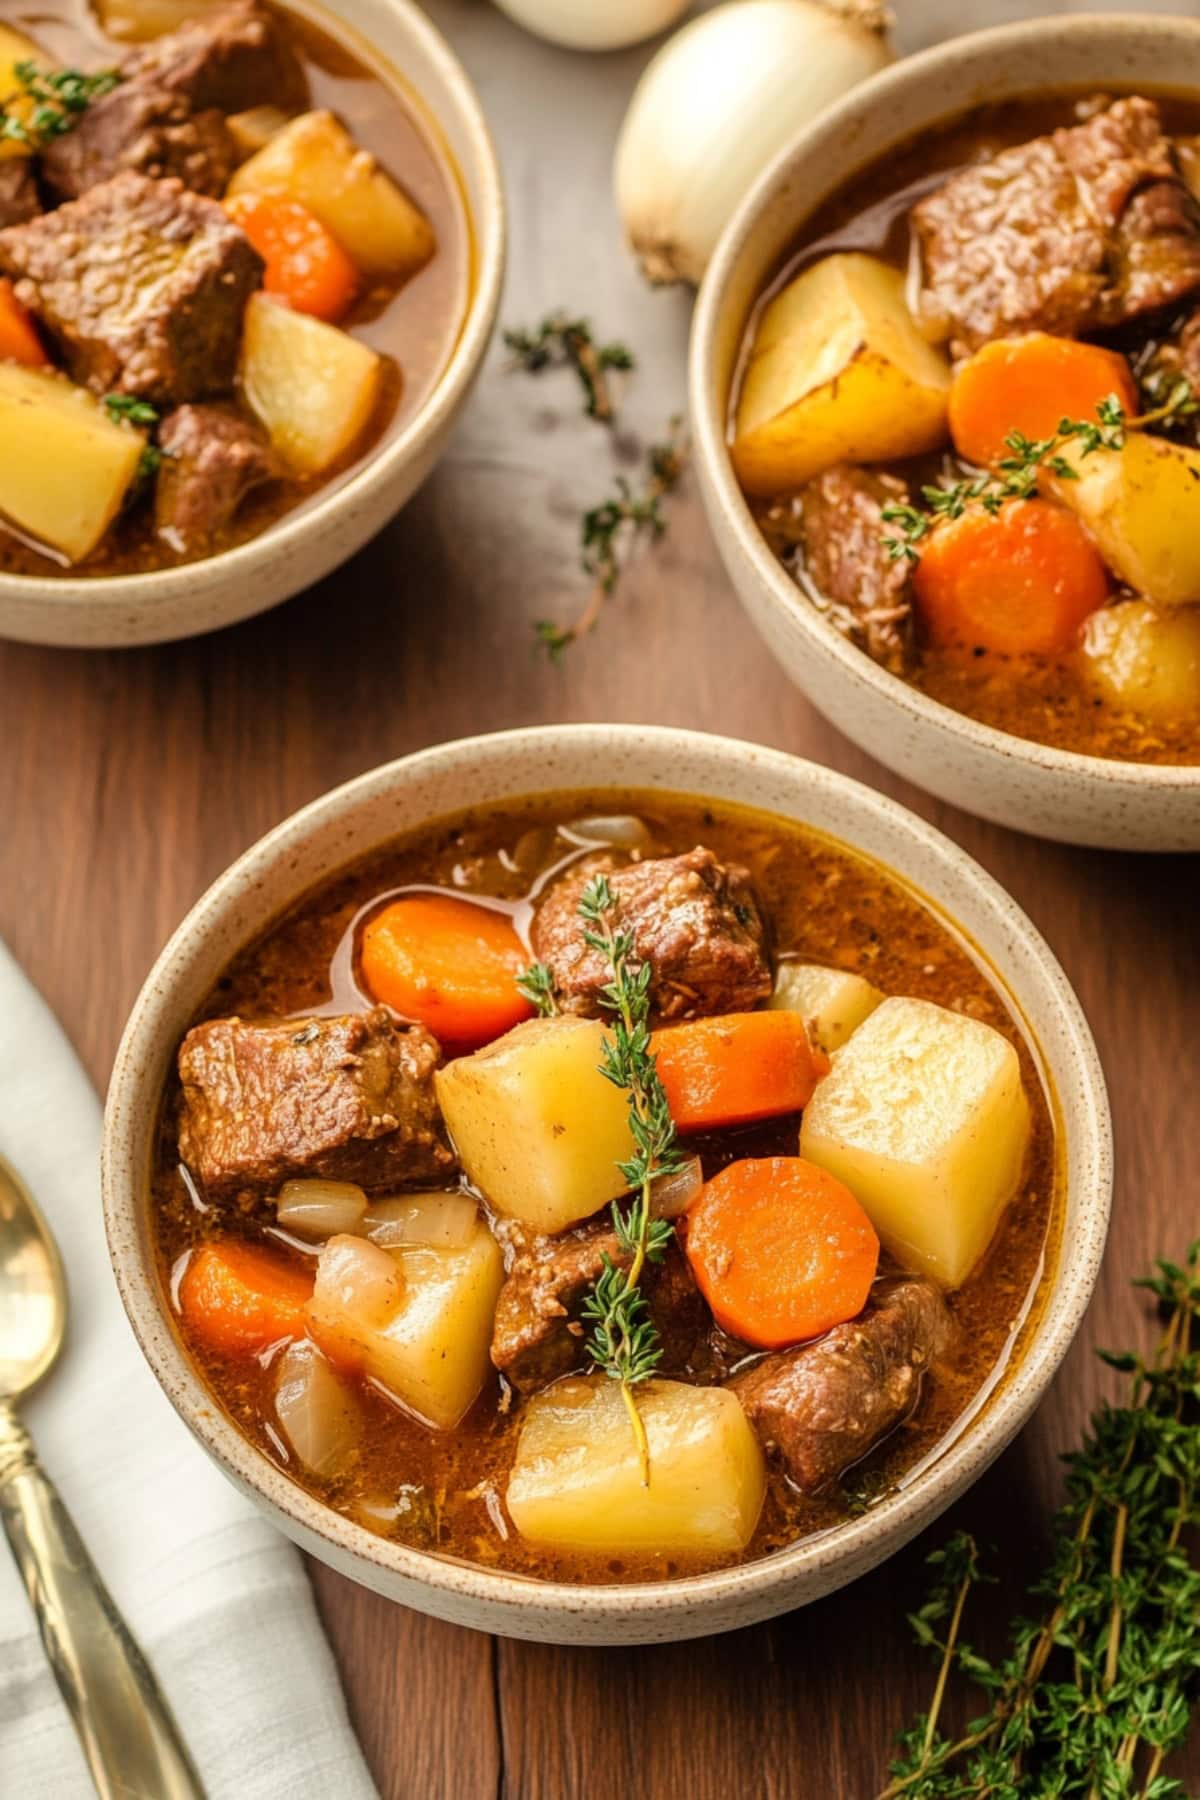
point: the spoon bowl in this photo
(33, 1289)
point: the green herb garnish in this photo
(128, 409)
(537, 985)
(560, 342)
(60, 98)
(1094, 1693)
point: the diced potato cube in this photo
(251, 130)
(432, 1352)
(64, 464)
(136, 21)
(832, 1002)
(576, 1481)
(16, 48)
(316, 161)
(838, 372)
(925, 1119)
(1145, 660)
(538, 1128)
(1141, 504)
(314, 387)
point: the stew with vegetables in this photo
(231, 259)
(605, 1187)
(968, 420)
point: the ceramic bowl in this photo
(1052, 793)
(300, 548)
(420, 789)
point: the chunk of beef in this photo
(1069, 233)
(823, 1406)
(865, 591)
(142, 285)
(231, 59)
(347, 1098)
(19, 198)
(212, 457)
(146, 128)
(696, 921)
(538, 1335)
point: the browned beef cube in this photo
(212, 457)
(823, 1406)
(846, 562)
(1069, 233)
(142, 285)
(232, 59)
(538, 1335)
(695, 921)
(18, 191)
(146, 128)
(347, 1099)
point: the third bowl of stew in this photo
(250, 255)
(621, 1204)
(945, 381)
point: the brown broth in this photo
(414, 328)
(444, 1490)
(1046, 699)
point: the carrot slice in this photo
(237, 1298)
(449, 963)
(1020, 582)
(19, 341)
(737, 1067)
(306, 266)
(781, 1250)
(1030, 384)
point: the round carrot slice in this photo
(1030, 384)
(305, 264)
(448, 963)
(238, 1298)
(781, 1250)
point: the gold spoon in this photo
(131, 1742)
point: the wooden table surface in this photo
(129, 780)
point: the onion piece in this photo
(319, 1415)
(320, 1209)
(359, 1279)
(671, 1195)
(622, 830)
(433, 1221)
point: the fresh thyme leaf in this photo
(62, 96)
(624, 1341)
(537, 985)
(561, 342)
(1095, 1690)
(128, 408)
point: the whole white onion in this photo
(594, 24)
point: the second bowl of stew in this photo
(624, 1205)
(946, 387)
(250, 255)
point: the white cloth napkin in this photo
(218, 1600)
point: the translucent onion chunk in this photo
(437, 1221)
(671, 1195)
(320, 1209)
(622, 830)
(318, 1413)
(358, 1280)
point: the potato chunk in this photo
(431, 1349)
(1141, 504)
(314, 387)
(1145, 660)
(137, 21)
(64, 464)
(538, 1128)
(316, 161)
(832, 1002)
(576, 1482)
(838, 372)
(925, 1119)
(16, 48)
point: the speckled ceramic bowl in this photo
(300, 548)
(420, 789)
(1053, 793)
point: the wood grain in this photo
(129, 780)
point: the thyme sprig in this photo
(624, 1341)
(129, 410)
(611, 532)
(537, 985)
(1094, 1692)
(562, 342)
(60, 98)
(1016, 475)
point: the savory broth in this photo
(443, 1491)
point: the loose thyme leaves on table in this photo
(624, 1341)
(1094, 1692)
(1016, 475)
(60, 98)
(561, 343)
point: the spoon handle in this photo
(131, 1742)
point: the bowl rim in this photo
(708, 421)
(135, 1084)
(487, 228)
